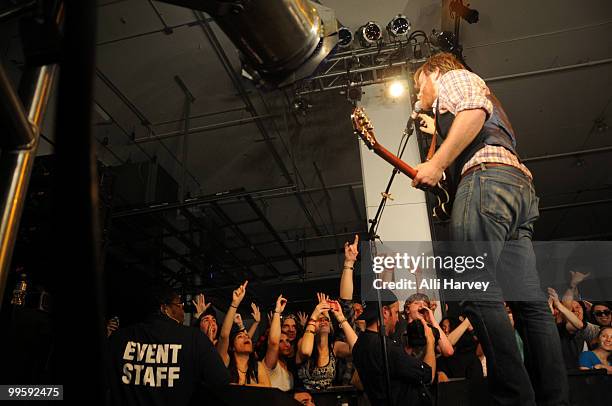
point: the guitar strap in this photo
(432, 146)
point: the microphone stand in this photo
(374, 222)
(372, 238)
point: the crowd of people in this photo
(337, 344)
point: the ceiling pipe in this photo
(577, 204)
(205, 128)
(567, 154)
(549, 70)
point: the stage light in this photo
(400, 25)
(468, 14)
(345, 37)
(445, 40)
(396, 89)
(369, 33)
(301, 106)
(354, 93)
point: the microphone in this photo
(413, 116)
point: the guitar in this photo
(363, 128)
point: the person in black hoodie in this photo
(160, 361)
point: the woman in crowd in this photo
(317, 352)
(205, 317)
(599, 358)
(236, 348)
(464, 363)
(277, 358)
(575, 333)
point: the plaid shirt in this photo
(460, 90)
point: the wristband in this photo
(309, 331)
(277, 312)
(342, 321)
(348, 267)
(235, 307)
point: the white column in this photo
(405, 217)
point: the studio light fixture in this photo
(369, 33)
(399, 26)
(345, 37)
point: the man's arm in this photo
(573, 322)
(446, 348)
(271, 357)
(430, 354)
(226, 327)
(466, 126)
(455, 335)
(346, 280)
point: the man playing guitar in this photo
(495, 201)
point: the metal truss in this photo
(366, 66)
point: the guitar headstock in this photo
(363, 127)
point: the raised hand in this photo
(111, 327)
(337, 310)
(577, 278)
(270, 316)
(210, 333)
(281, 302)
(200, 304)
(302, 318)
(351, 250)
(322, 297)
(430, 318)
(553, 295)
(426, 123)
(239, 294)
(238, 320)
(255, 313)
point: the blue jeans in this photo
(499, 204)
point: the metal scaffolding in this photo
(366, 66)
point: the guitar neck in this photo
(391, 158)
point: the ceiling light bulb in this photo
(396, 89)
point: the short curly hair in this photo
(417, 296)
(444, 61)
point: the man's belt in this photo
(486, 165)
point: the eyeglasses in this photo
(600, 313)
